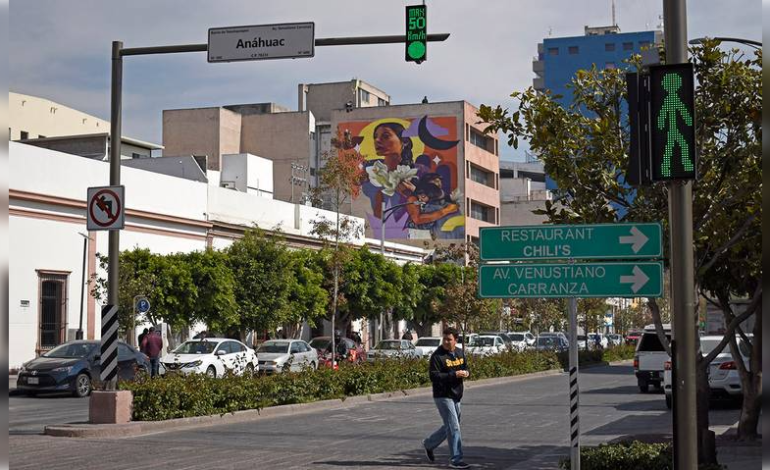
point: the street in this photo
(522, 425)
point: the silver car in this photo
(279, 355)
(425, 346)
(392, 349)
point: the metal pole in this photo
(382, 252)
(682, 274)
(574, 393)
(116, 133)
(79, 333)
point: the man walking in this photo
(152, 346)
(447, 371)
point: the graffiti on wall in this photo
(410, 167)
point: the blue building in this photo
(559, 59)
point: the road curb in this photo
(139, 428)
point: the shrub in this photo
(179, 396)
(629, 455)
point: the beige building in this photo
(323, 98)
(32, 117)
(265, 129)
(522, 191)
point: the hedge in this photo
(597, 356)
(629, 455)
(180, 396)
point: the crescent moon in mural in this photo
(433, 142)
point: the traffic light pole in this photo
(682, 274)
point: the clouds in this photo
(61, 49)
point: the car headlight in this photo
(67, 369)
(194, 363)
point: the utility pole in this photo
(682, 273)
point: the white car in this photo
(519, 341)
(211, 356)
(615, 339)
(724, 379)
(486, 345)
(603, 341)
(528, 337)
(279, 354)
(426, 345)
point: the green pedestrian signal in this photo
(672, 101)
(416, 33)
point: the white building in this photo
(164, 212)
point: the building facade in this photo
(522, 191)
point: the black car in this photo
(73, 366)
(551, 343)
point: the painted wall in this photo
(40, 116)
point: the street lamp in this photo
(79, 333)
(384, 216)
(745, 42)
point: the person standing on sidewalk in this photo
(152, 345)
(448, 369)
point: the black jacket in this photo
(443, 365)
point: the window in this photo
(135, 155)
(53, 309)
(628, 46)
(294, 348)
(124, 352)
(364, 95)
(480, 140)
(573, 50)
(41, 136)
(644, 44)
(553, 51)
(481, 212)
(480, 176)
(381, 102)
(24, 135)
(609, 47)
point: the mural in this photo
(410, 165)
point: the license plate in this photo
(33, 381)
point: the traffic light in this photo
(638, 171)
(416, 33)
(672, 122)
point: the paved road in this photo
(28, 415)
(522, 425)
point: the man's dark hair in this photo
(452, 331)
(152, 328)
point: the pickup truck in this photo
(650, 358)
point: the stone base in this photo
(110, 407)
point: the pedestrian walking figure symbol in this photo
(672, 107)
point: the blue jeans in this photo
(450, 430)
(154, 366)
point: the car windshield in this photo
(482, 342)
(546, 341)
(196, 347)
(516, 337)
(708, 344)
(71, 350)
(428, 342)
(320, 343)
(273, 348)
(389, 345)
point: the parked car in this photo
(633, 337)
(723, 376)
(560, 334)
(392, 349)
(427, 344)
(468, 336)
(528, 337)
(582, 341)
(615, 339)
(75, 367)
(650, 358)
(503, 335)
(321, 345)
(519, 341)
(603, 341)
(278, 355)
(486, 345)
(210, 356)
(552, 343)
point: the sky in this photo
(60, 50)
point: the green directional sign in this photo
(597, 241)
(541, 280)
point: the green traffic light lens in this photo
(416, 50)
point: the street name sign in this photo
(552, 280)
(593, 241)
(105, 209)
(261, 42)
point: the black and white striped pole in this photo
(574, 392)
(109, 350)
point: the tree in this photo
(584, 148)
(308, 299)
(264, 273)
(434, 280)
(215, 285)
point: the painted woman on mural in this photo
(393, 179)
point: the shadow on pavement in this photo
(609, 370)
(479, 457)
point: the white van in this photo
(650, 358)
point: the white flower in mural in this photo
(457, 197)
(380, 177)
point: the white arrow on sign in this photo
(638, 279)
(637, 239)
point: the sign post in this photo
(574, 392)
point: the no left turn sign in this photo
(105, 209)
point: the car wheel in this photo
(211, 372)
(644, 386)
(82, 385)
(249, 372)
(669, 403)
